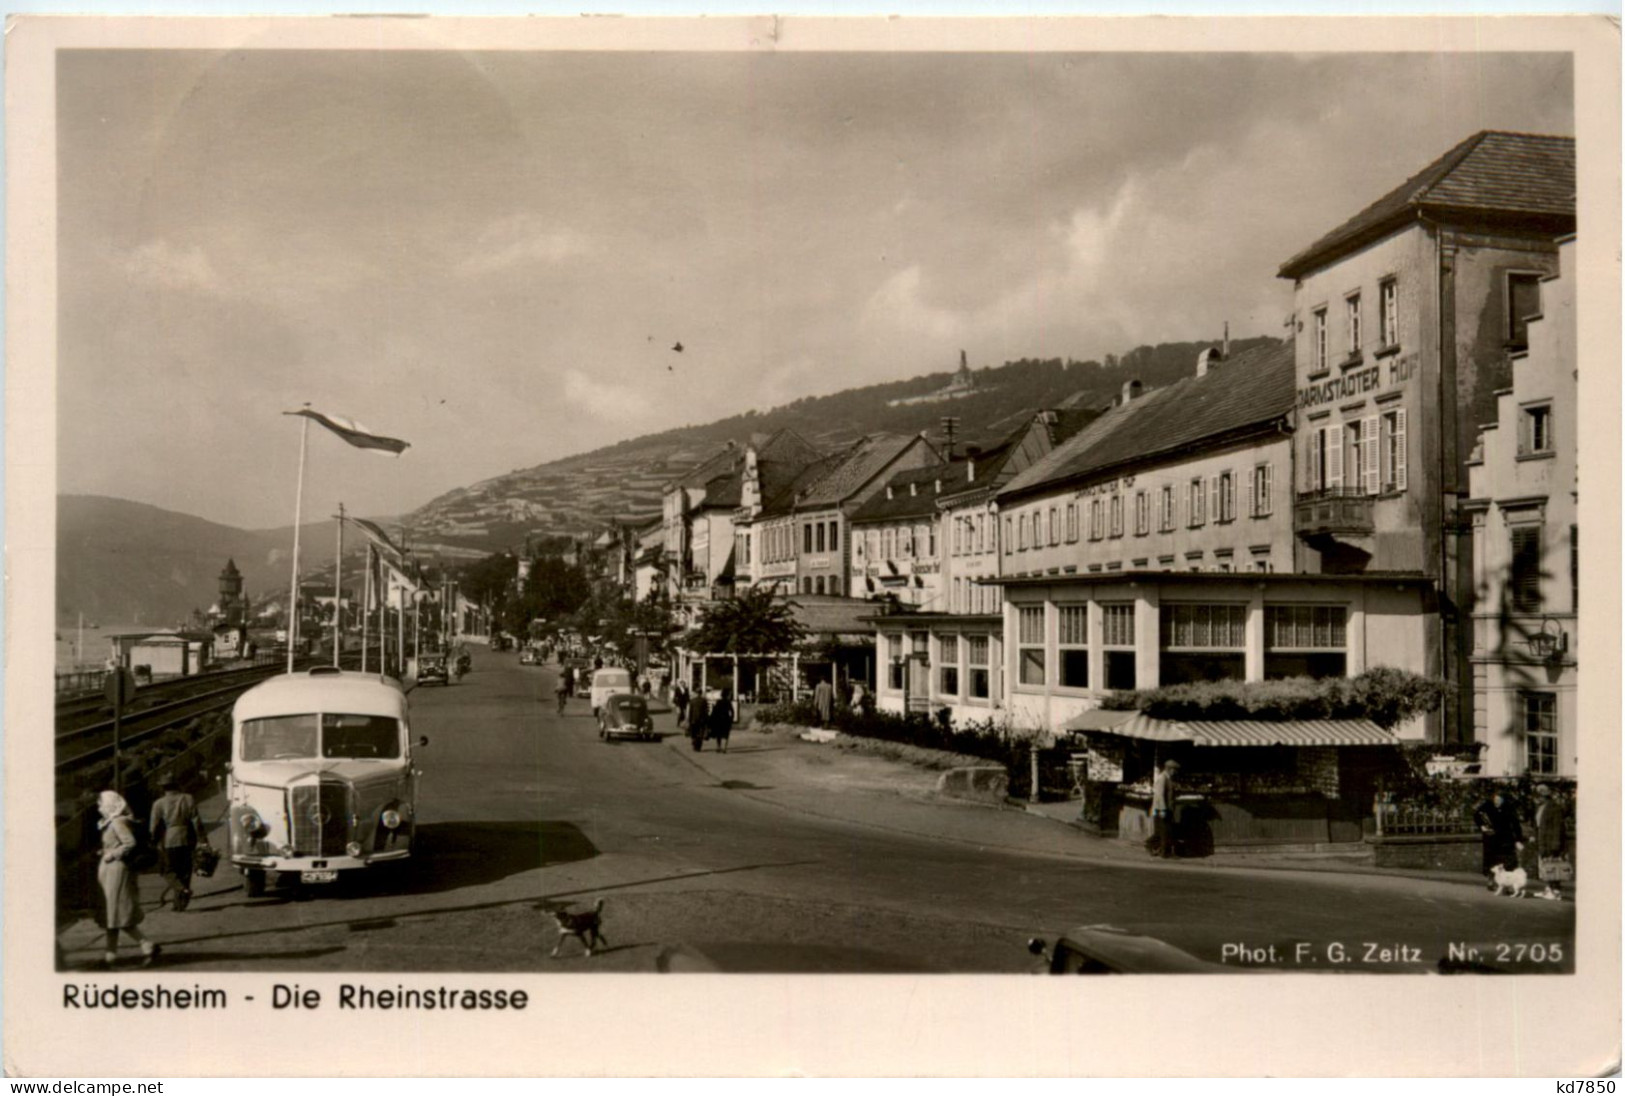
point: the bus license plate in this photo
(318, 876)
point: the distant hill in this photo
(581, 494)
(123, 562)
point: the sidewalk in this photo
(847, 781)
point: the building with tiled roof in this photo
(823, 513)
(1407, 319)
(1527, 179)
(970, 525)
(699, 509)
(1187, 477)
(796, 540)
(896, 536)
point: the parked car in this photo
(322, 779)
(607, 682)
(528, 657)
(625, 715)
(432, 670)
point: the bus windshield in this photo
(333, 735)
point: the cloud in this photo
(522, 240)
(899, 304)
(617, 403)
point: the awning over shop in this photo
(1237, 732)
(1304, 732)
(1132, 725)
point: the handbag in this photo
(1555, 869)
(205, 859)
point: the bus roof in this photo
(323, 690)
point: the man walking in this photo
(175, 833)
(1162, 810)
(824, 702)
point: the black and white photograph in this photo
(703, 503)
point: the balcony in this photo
(1333, 511)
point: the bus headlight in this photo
(391, 819)
(249, 821)
(353, 848)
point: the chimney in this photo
(1131, 391)
(1206, 360)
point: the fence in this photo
(1394, 820)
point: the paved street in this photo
(776, 856)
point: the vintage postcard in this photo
(764, 546)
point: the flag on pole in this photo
(376, 534)
(399, 585)
(353, 432)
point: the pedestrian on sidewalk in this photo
(824, 702)
(1551, 842)
(175, 832)
(698, 719)
(117, 877)
(1162, 810)
(722, 719)
(1497, 819)
(679, 703)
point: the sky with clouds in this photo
(491, 255)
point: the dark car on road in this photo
(432, 670)
(625, 715)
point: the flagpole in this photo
(298, 512)
(366, 608)
(338, 589)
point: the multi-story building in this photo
(970, 519)
(699, 512)
(764, 545)
(897, 549)
(822, 512)
(1526, 570)
(1183, 478)
(949, 653)
(1407, 317)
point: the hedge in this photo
(982, 738)
(1383, 695)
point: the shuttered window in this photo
(1525, 577)
(1393, 450)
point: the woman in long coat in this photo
(1551, 840)
(118, 878)
(1497, 819)
(722, 719)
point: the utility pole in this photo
(338, 591)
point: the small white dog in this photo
(1513, 883)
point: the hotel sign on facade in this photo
(1358, 382)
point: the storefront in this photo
(932, 661)
(1073, 641)
(1241, 783)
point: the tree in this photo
(754, 622)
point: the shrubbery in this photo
(982, 738)
(1383, 695)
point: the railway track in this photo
(89, 742)
(77, 712)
